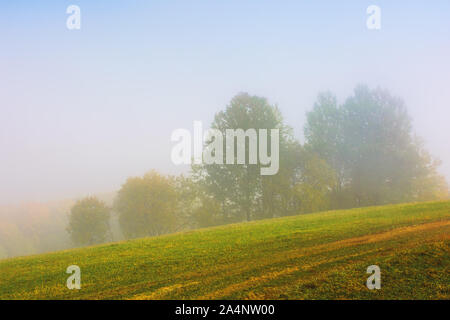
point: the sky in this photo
(82, 110)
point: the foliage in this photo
(369, 143)
(12, 240)
(239, 191)
(147, 205)
(89, 222)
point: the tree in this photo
(313, 183)
(305, 183)
(189, 200)
(89, 222)
(13, 241)
(427, 183)
(239, 190)
(231, 193)
(147, 206)
(369, 143)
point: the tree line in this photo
(362, 152)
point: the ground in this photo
(315, 256)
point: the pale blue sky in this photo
(82, 110)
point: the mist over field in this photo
(82, 111)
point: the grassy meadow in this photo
(315, 256)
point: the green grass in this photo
(316, 256)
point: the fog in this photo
(82, 110)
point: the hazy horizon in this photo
(82, 110)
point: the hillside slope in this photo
(315, 256)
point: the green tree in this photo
(240, 190)
(89, 222)
(147, 206)
(188, 202)
(208, 213)
(314, 180)
(305, 183)
(427, 183)
(13, 242)
(369, 143)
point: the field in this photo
(315, 256)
